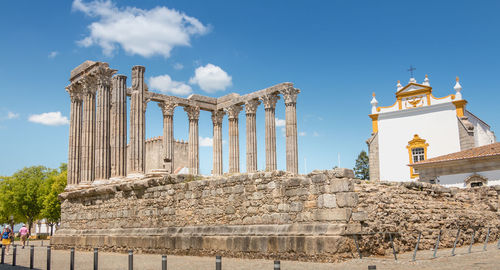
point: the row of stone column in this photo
(269, 101)
(98, 133)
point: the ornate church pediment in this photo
(412, 89)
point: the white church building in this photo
(420, 126)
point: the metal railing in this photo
(357, 237)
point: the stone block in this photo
(336, 214)
(347, 199)
(327, 201)
(342, 173)
(359, 216)
(296, 206)
(341, 185)
(230, 210)
(310, 204)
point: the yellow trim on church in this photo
(416, 142)
(452, 97)
(460, 105)
(374, 118)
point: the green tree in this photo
(362, 169)
(54, 186)
(8, 213)
(28, 192)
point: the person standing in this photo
(24, 234)
(6, 237)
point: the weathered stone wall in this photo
(273, 215)
(252, 215)
(411, 207)
(154, 154)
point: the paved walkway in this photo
(478, 259)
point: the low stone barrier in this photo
(274, 215)
(412, 207)
(256, 215)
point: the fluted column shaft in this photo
(292, 162)
(75, 132)
(167, 108)
(234, 146)
(234, 138)
(118, 134)
(217, 118)
(193, 146)
(251, 136)
(103, 151)
(168, 141)
(137, 121)
(88, 137)
(269, 106)
(292, 159)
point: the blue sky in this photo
(336, 52)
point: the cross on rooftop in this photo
(411, 69)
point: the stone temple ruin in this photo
(98, 132)
(117, 205)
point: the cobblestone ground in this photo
(477, 259)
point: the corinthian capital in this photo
(290, 95)
(89, 84)
(251, 106)
(233, 111)
(193, 112)
(167, 107)
(217, 117)
(270, 100)
(75, 91)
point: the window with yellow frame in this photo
(417, 151)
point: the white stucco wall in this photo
(437, 124)
(482, 133)
(458, 180)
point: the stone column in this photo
(217, 117)
(269, 101)
(87, 173)
(292, 159)
(137, 121)
(251, 129)
(102, 143)
(234, 139)
(167, 107)
(193, 146)
(118, 134)
(75, 133)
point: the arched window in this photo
(417, 150)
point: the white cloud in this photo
(12, 115)
(164, 83)
(206, 141)
(178, 66)
(53, 54)
(211, 78)
(302, 133)
(138, 31)
(280, 122)
(49, 119)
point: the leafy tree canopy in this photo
(362, 169)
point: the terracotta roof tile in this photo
(476, 152)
